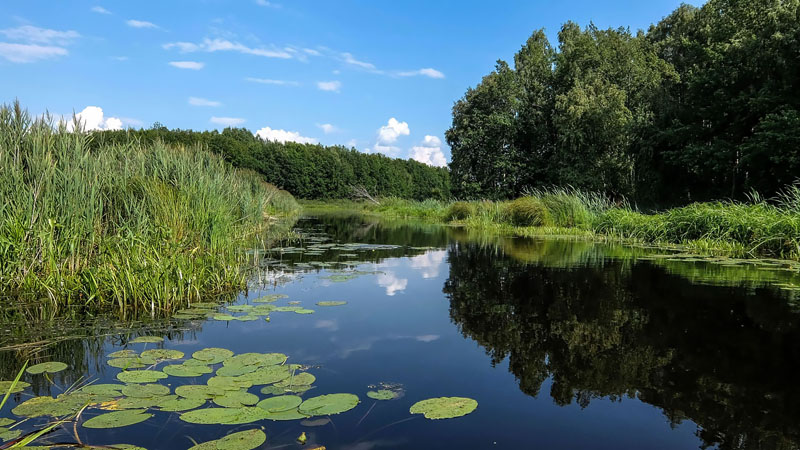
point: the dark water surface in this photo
(563, 344)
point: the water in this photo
(564, 344)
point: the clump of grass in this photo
(528, 212)
(131, 225)
(459, 211)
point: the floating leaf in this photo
(329, 404)
(291, 414)
(236, 399)
(133, 362)
(122, 354)
(147, 340)
(198, 391)
(270, 298)
(224, 416)
(331, 303)
(181, 404)
(294, 302)
(256, 359)
(160, 354)
(204, 305)
(141, 376)
(444, 407)
(247, 318)
(301, 379)
(240, 308)
(49, 367)
(5, 386)
(315, 422)
(138, 403)
(266, 375)
(229, 383)
(181, 370)
(280, 403)
(37, 407)
(7, 435)
(286, 308)
(117, 419)
(103, 390)
(4, 422)
(223, 317)
(243, 440)
(212, 355)
(382, 394)
(145, 390)
(304, 311)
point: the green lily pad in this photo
(243, 440)
(235, 371)
(280, 403)
(181, 404)
(224, 416)
(212, 355)
(123, 354)
(4, 422)
(198, 391)
(444, 407)
(49, 367)
(247, 318)
(325, 405)
(133, 362)
(37, 407)
(270, 298)
(331, 303)
(139, 403)
(145, 390)
(182, 370)
(104, 390)
(301, 379)
(204, 305)
(147, 340)
(7, 435)
(256, 359)
(240, 308)
(141, 376)
(236, 399)
(117, 419)
(304, 311)
(382, 394)
(266, 375)
(160, 354)
(286, 308)
(229, 383)
(5, 386)
(223, 317)
(292, 414)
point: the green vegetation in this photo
(743, 229)
(702, 106)
(127, 225)
(307, 171)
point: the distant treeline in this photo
(307, 171)
(703, 105)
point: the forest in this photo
(701, 106)
(307, 171)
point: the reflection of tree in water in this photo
(724, 357)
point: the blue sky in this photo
(379, 76)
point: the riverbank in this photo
(128, 226)
(742, 230)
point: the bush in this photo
(527, 211)
(459, 211)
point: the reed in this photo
(130, 225)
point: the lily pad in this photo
(160, 354)
(236, 399)
(304, 311)
(280, 403)
(141, 376)
(212, 355)
(266, 375)
(286, 308)
(247, 318)
(139, 403)
(325, 405)
(229, 383)
(127, 353)
(382, 394)
(235, 371)
(331, 303)
(292, 414)
(301, 379)
(316, 422)
(198, 391)
(182, 370)
(4, 422)
(270, 298)
(224, 416)
(240, 308)
(5, 386)
(147, 340)
(145, 390)
(7, 435)
(243, 440)
(133, 362)
(117, 419)
(444, 407)
(49, 367)
(223, 317)
(256, 359)
(181, 404)
(103, 390)
(204, 305)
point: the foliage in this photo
(127, 225)
(306, 170)
(528, 212)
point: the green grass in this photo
(131, 226)
(742, 229)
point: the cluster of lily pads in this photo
(224, 398)
(260, 310)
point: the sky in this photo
(374, 75)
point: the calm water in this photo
(563, 344)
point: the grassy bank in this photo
(127, 225)
(758, 228)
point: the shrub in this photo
(527, 211)
(459, 211)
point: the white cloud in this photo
(331, 86)
(393, 129)
(226, 121)
(328, 128)
(140, 24)
(93, 118)
(351, 60)
(131, 122)
(268, 134)
(426, 72)
(267, 4)
(191, 65)
(427, 337)
(429, 152)
(100, 10)
(199, 101)
(30, 34)
(392, 284)
(352, 143)
(429, 263)
(26, 53)
(224, 45)
(270, 81)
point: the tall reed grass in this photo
(134, 226)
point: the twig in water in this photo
(366, 414)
